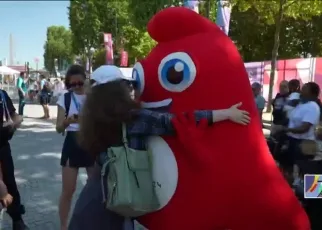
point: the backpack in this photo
(6, 132)
(127, 183)
(47, 87)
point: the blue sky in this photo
(27, 21)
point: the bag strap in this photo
(77, 105)
(4, 104)
(67, 100)
(124, 139)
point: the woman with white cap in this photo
(112, 102)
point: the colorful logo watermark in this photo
(313, 186)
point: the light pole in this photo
(56, 66)
(90, 54)
(36, 61)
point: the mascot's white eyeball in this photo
(177, 72)
(138, 76)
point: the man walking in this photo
(9, 122)
(22, 90)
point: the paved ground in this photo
(36, 151)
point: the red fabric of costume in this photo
(239, 187)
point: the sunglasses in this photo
(75, 84)
(132, 84)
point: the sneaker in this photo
(19, 225)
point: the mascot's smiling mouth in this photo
(157, 104)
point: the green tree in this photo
(142, 11)
(138, 43)
(111, 17)
(85, 24)
(90, 19)
(57, 46)
(274, 12)
(99, 58)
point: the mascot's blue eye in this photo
(138, 76)
(177, 72)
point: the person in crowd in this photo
(22, 90)
(303, 121)
(73, 156)
(59, 88)
(259, 99)
(293, 99)
(101, 127)
(44, 96)
(276, 140)
(9, 122)
(280, 100)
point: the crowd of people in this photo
(41, 88)
(92, 125)
(295, 138)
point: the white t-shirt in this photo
(307, 112)
(72, 108)
(288, 108)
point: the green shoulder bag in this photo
(127, 182)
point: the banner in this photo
(108, 42)
(192, 5)
(124, 58)
(223, 15)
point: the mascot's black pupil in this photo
(173, 76)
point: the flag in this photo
(223, 15)
(108, 42)
(124, 58)
(192, 5)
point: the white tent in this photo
(5, 70)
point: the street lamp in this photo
(90, 53)
(56, 66)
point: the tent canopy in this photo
(7, 71)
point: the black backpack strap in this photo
(67, 100)
(1, 109)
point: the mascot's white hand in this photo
(238, 116)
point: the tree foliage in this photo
(275, 12)
(99, 58)
(57, 46)
(138, 43)
(107, 17)
(85, 24)
(143, 10)
(253, 27)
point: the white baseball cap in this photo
(108, 73)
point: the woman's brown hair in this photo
(106, 107)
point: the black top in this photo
(279, 116)
(5, 132)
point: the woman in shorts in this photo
(73, 156)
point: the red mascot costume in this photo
(222, 177)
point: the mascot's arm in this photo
(154, 123)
